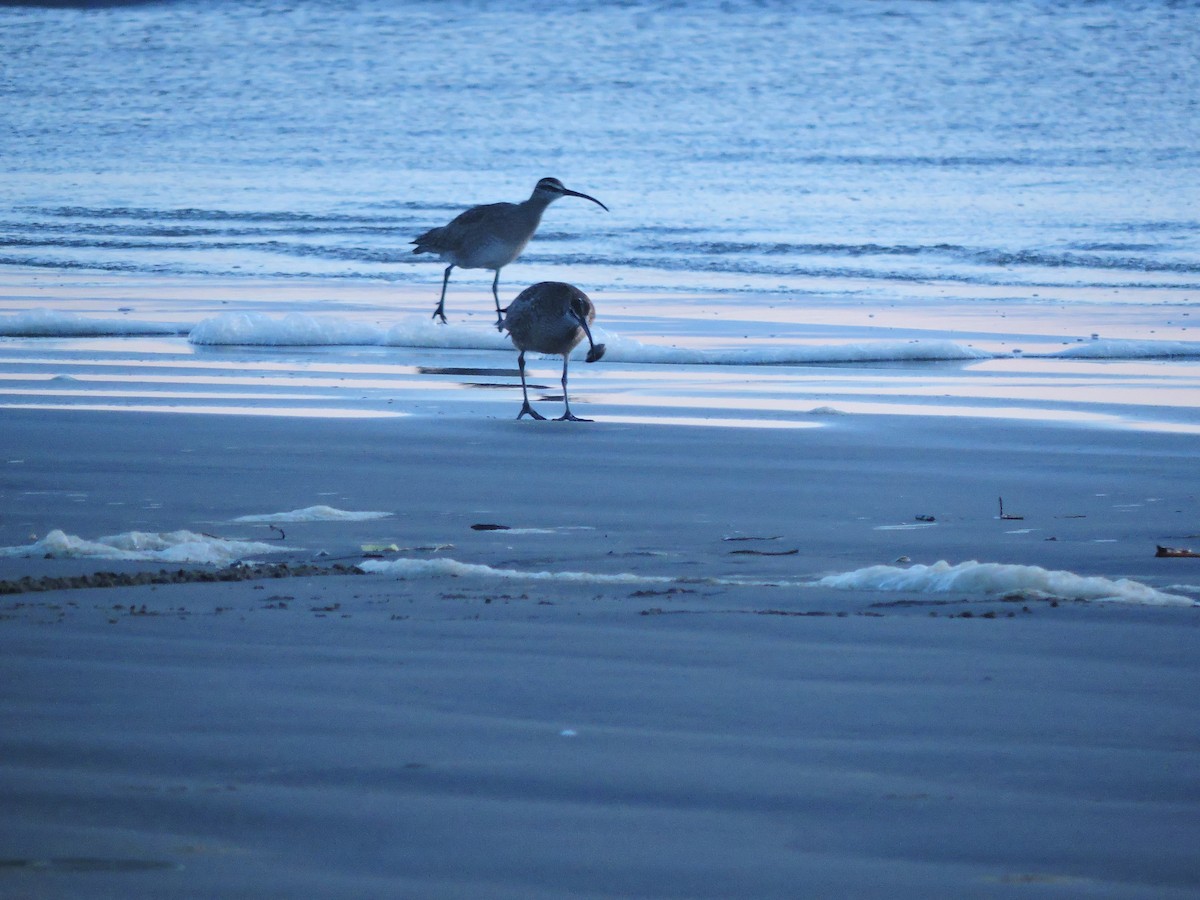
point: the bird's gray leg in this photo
(567, 416)
(440, 312)
(496, 297)
(526, 409)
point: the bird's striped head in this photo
(550, 189)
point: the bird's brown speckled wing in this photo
(463, 229)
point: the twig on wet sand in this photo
(1003, 516)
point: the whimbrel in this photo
(491, 236)
(551, 317)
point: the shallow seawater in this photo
(839, 147)
(170, 375)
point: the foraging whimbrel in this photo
(551, 317)
(491, 236)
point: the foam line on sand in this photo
(971, 577)
(140, 546)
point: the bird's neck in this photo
(539, 201)
(533, 208)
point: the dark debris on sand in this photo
(178, 576)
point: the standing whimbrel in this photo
(491, 236)
(551, 317)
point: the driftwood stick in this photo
(1003, 516)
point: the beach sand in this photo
(669, 733)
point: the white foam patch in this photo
(295, 329)
(416, 568)
(170, 547)
(941, 577)
(292, 330)
(627, 350)
(51, 323)
(425, 332)
(1132, 350)
(298, 330)
(998, 578)
(315, 514)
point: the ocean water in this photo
(747, 147)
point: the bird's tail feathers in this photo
(429, 242)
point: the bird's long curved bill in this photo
(571, 193)
(595, 351)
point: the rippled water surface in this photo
(759, 147)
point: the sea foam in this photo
(51, 323)
(292, 330)
(315, 514)
(1112, 349)
(256, 329)
(972, 578)
(134, 546)
(233, 329)
(627, 350)
(417, 568)
(998, 579)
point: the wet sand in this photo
(683, 735)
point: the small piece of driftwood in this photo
(1003, 516)
(764, 552)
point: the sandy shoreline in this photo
(442, 736)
